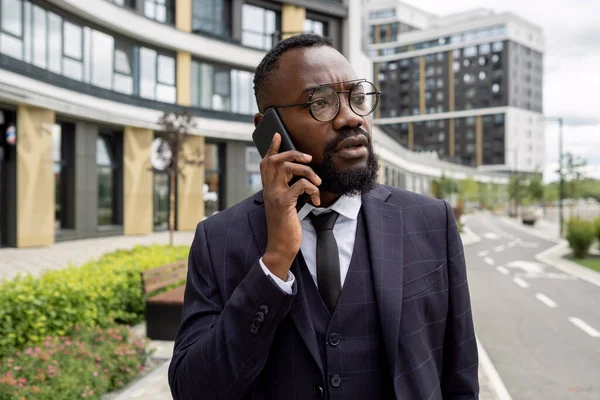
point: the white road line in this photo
(546, 300)
(483, 253)
(499, 248)
(503, 270)
(521, 282)
(497, 386)
(489, 261)
(585, 327)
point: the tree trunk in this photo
(171, 205)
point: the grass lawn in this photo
(591, 261)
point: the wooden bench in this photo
(163, 310)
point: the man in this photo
(362, 294)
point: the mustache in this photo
(343, 134)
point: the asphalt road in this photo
(540, 326)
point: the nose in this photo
(346, 117)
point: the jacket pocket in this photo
(419, 285)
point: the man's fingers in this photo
(304, 186)
(290, 169)
(274, 147)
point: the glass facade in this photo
(160, 196)
(158, 10)
(222, 88)
(212, 17)
(213, 176)
(260, 27)
(316, 27)
(47, 40)
(108, 167)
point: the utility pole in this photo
(561, 175)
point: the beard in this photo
(352, 181)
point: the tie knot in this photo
(325, 221)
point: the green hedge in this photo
(95, 294)
(580, 235)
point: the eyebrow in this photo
(311, 88)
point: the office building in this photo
(467, 86)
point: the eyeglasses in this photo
(324, 102)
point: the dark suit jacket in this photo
(422, 297)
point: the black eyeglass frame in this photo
(312, 92)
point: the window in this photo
(211, 16)
(259, 27)
(317, 27)
(157, 76)
(485, 48)
(124, 3)
(11, 32)
(108, 166)
(471, 51)
(498, 46)
(160, 10)
(212, 178)
(222, 88)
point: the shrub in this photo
(597, 226)
(91, 362)
(96, 294)
(580, 235)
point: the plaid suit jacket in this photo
(233, 311)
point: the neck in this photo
(327, 199)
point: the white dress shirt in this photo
(344, 232)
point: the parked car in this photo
(530, 214)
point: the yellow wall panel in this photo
(137, 181)
(411, 135)
(35, 177)
(184, 78)
(190, 189)
(183, 15)
(292, 19)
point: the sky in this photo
(571, 68)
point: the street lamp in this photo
(560, 173)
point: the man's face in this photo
(343, 170)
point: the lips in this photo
(353, 142)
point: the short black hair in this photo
(264, 71)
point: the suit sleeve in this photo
(222, 345)
(460, 369)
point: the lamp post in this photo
(561, 184)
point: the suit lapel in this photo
(299, 312)
(384, 232)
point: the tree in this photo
(176, 128)
(444, 187)
(573, 176)
(535, 188)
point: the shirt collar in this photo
(347, 206)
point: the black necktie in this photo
(328, 259)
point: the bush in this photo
(597, 226)
(96, 294)
(580, 235)
(91, 362)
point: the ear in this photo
(257, 118)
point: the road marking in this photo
(499, 248)
(483, 253)
(503, 270)
(512, 244)
(497, 386)
(489, 261)
(521, 282)
(491, 236)
(529, 267)
(546, 300)
(585, 327)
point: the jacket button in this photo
(336, 380)
(264, 309)
(334, 339)
(259, 317)
(253, 329)
(319, 391)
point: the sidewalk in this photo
(77, 252)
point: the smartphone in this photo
(270, 124)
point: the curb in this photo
(554, 257)
(531, 231)
(497, 386)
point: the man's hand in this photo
(283, 226)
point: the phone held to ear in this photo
(270, 124)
